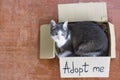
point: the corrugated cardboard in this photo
(79, 12)
(46, 43)
(112, 41)
(82, 12)
(74, 67)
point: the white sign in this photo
(76, 67)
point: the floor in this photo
(19, 39)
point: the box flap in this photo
(82, 12)
(46, 43)
(79, 67)
(112, 42)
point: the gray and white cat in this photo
(85, 38)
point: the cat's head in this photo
(59, 31)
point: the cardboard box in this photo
(76, 67)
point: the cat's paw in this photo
(65, 54)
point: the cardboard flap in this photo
(82, 12)
(112, 38)
(79, 67)
(47, 50)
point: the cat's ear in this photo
(65, 25)
(53, 24)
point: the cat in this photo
(85, 38)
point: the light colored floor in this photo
(19, 39)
